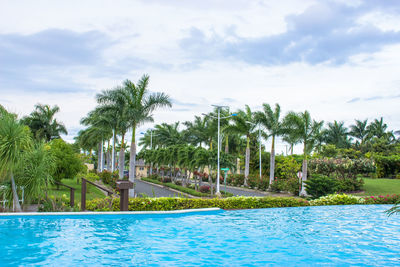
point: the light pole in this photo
(218, 193)
(259, 141)
(113, 152)
(151, 147)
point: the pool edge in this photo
(106, 212)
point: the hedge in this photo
(176, 203)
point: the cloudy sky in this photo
(338, 59)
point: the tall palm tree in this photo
(270, 119)
(102, 124)
(337, 134)
(140, 104)
(114, 101)
(242, 127)
(302, 126)
(14, 140)
(43, 124)
(359, 130)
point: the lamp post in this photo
(218, 193)
(151, 147)
(113, 152)
(259, 141)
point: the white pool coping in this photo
(79, 213)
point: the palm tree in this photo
(337, 134)
(359, 130)
(195, 133)
(242, 127)
(114, 101)
(140, 104)
(301, 125)
(270, 119)
(377, 128)
(43, 124)
(14, 140)
(169, 134)
(101, 124)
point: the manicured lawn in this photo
(376, 187)
(94, 192)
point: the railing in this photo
(4, 201)
(71, 193)
(83, 192)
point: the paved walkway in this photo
(152, 190)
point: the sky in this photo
(339, 60)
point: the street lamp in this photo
(259, 140)
(218, 193)
(151, 147)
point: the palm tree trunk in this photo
(132, 162)
(272, 163)
(102, 155)
(16, 205)
(247, 163)
(304, 174)
(210, 181)
(226, 145)
(99, 158)
(121, 160)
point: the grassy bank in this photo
(93, 193)
(376, 187)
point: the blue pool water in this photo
(331, 235)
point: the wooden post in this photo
(83, 195)
(72, 197)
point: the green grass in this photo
(93, 193)
(183, 189)
(376, 187)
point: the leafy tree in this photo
(302, 126)
(68, 163)
(43, 124)
(36, 170)
(14, 140)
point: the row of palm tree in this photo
(183, 160)
(119, 110)
(294, 128)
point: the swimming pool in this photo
(304, 236)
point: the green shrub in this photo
(388, 199)
(286, 185)
(160, 204)
(109, 178)
(235, 179)
(90, 176)
(319, 185)
(349, 184)
(204, 189)
(278, 185)
(55, 204)
(337, 199)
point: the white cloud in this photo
(144, 37)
